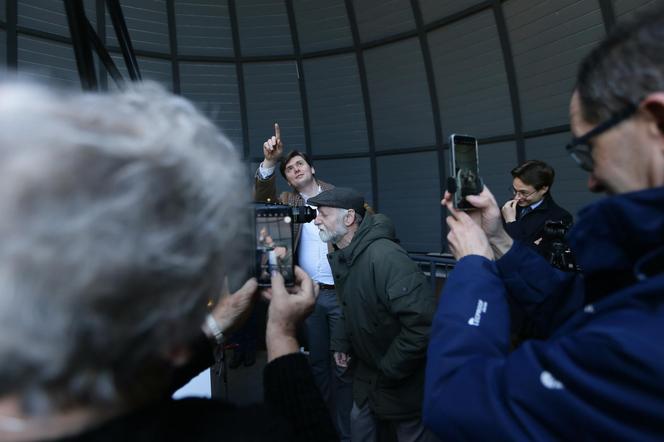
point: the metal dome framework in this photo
(423, 33)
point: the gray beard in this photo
(333, 237)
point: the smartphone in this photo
(464, 163)
(274, 243)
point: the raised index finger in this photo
(277, 131)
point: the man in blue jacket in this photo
(599, 374)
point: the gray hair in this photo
(626, 67)
(115, 211)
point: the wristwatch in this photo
(214, 329)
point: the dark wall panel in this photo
(377, 19)
(154, 69)
(47, 60)
(336, 110)
(433, 10)
(496, 162)
(570, 186)
(548, 40)
(273, 95)
(470, 77)
(214, 88)
(203, 28)
(147, 24)
(625, 9)
(44, 15)
(322, 25)
(400, 101)
(409, 193)
(352, 172)
(264, 28)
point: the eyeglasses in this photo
(521, 193)
(580, 148)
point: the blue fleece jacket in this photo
(600, 373)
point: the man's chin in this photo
(324, 236)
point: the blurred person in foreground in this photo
(119, 219)
(599, 374)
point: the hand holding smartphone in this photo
(464, 164)
(274, 243)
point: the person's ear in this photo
(546, 190)
(654, 105)
(313, 171)
(349, 219)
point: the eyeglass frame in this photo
(521, 194)
(583, 157)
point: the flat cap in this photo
(340, 197)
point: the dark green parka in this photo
(387, 310)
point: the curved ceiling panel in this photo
(548, 41)
(203, 28)
(496, 162)
(433, 10)
(409, 193)
(322, 25)
(471, 82)
(336, 108)
(273, 95)
(47, 60)
(626, 8)
(214, 88)
(356, 173)
(45, 15)
(400, 101)
(351, 81)
(147, 24)
(378, 19)
(263, 27)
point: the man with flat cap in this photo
(387, 308)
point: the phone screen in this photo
(274, 244)
(465, 165)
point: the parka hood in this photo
(373, 228)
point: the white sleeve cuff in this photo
(265, 172)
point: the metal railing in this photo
(436, 266)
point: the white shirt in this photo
(312, 251)
(536, 205)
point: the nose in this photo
(317, 221)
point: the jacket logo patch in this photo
(479, 310)
(550, 382)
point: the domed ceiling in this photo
(371, 89)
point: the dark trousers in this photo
(335, 383)
(366, 428)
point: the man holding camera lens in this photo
(333, 380)
(598, 374)
(532, 206)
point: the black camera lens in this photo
(303, 214)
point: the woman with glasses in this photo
(525, 215)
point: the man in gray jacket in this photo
(387, 308)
